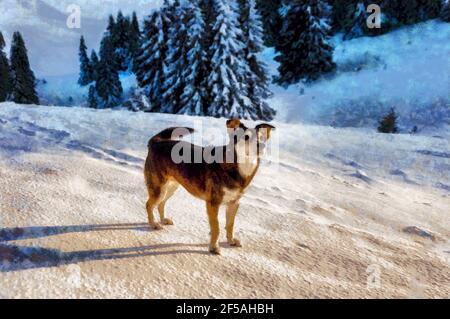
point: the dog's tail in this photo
(170, 134)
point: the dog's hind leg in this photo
(213, 216)
(168, 190)
(154, 198)
(232, 209)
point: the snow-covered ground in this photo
(335, 216)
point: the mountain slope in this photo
(406, 69)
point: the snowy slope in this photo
(332, 207)
(407, 69)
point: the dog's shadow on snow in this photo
(17, 258)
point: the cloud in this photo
(52, 46)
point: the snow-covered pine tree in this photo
(271, 19)
(193, 99)
(289, 52)
(112, 34)
(445, 13)
(85, 77)
(92, 98)
(5, 73)
(121, 42)
(23, 81)
(150, 62)
(320, 53)
(138, 102)
(108, 86)
(304, 51)
(94, 65)
(256, 77)
(208, 13)
(176, 57)
(209, 18)
(226, 80)
(169, 10)
(111, 27)
(111, 30)
(135, 36)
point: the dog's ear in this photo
(264, 131)
(233, 123)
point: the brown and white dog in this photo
(214, 181)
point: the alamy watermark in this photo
(73, 273)
(74, 19)
(241, 145)
(374, 19)
(373, 276)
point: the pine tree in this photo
(445, 12)
(271, 20)
(176, 58)
(228, 69)
(135, 37)
(138, 102)
(23, 79)
(108, 86)
(402, 11)
(304, 51)
(112, 34)
(5, 73)
(121, 42)
(389, 123)
(209, 18)
(85, 66)
(111, 30)
(94, 65)
(209, 14)
(343, 12)
(429, 9)
(256, 76)
(288, 47)
(150, 62)
(92, 98)
(193, 99)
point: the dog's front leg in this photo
(213, 217)
(232, 210)
(151, 219)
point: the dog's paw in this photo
(234, 242)
(167, 222)
(156, 226)
(215, 250)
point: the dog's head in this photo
(249, 138)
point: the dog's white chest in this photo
(247, 159)
(231, 195)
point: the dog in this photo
(218, 183)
